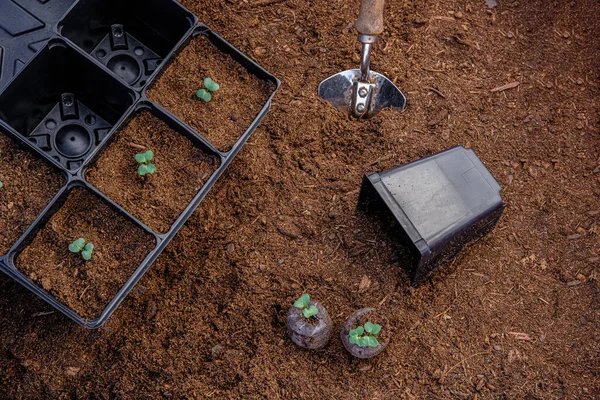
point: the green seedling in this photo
(1, 185)
(364, 336)
(210, 87)
(302, 303)
(80, 246)
(144, 159)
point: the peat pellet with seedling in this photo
(365, 334)
(308, 324)
(181, 167)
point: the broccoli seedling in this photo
(365, 336)
(210, 87)
(302, 303)
(144, 159)
(80, 246)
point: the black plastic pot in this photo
(354, 349)
(66, 106)
(306, 334)
(437, 204)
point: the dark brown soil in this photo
(514, 316)
(29, 185)
(157, 199)
(85, 286)
(233, 107)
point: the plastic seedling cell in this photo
(130, 38)
(111, 246)
(28, 185)
(25, 27)
(64, 104)
(436, 205)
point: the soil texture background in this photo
(514, 316)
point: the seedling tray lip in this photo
(76, 178)
(57, 29)
(248, 63)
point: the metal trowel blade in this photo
(337, 90)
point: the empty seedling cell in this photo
(183, 165)
(437, 204)
(64, 104)
(85, 286)
(131, 38)
(233, 107)
(25, 27)
(27, 185)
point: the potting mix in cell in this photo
(416, 216)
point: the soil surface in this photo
(29, 185)
(158, 199)
(85, 286)
(514, 316)
(233, 107)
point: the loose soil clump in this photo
(155, 199)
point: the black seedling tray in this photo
(67, 105)
(434, 206)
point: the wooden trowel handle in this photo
(370, 17)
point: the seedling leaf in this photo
(310, 311)
(357, 331)
(372, 341)
(354, 339)
(376, 329)
(303, 301)
(1, 185)
(211, 85)
(369, 327)
(149, 155)
(80, 246)
(204, 95)
(141, 158)
(151, 168)
(73, 248)
(142, 169)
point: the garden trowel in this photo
(362, 92)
